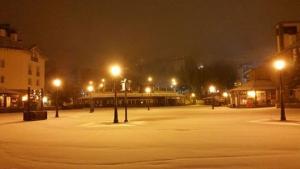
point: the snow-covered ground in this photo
(170, 137)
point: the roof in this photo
(256, 85)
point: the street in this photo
(167, 137)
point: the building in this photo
(20, 68)
(135, 99)
(288, 47)
(257, 91)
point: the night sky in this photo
(95, 32)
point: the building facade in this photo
(20, 68)
(288, 47)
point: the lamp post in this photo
(125, 100)
(56, 83)
(148, 91)
(201, 69)
(280, 65)
(193, 96)
(150, 80)
(212, 90)
(115, 72)
(90, 89)
(225, 95)
(103, 84)
(173, 84)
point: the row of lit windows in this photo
(37, 71)
(37, 82)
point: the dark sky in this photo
(92, 32)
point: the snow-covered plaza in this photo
(162, 138)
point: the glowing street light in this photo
(150, 79)
(225, 94)
(148, 91)
(56, 83)
(173, 84)
(212, 90)
(193, 96)
(280, 65)
(90, 89)
(115, 71)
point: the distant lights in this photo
(225, 94)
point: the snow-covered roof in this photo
(256, 85)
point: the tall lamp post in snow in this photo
(173, 84)
(212, 90)
(148, 91)
(280, 65)
(150, 79)
(115, 71)
(90, 89)
(125, 100)
(56, 83)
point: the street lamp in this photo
(225, 95)
(212, 90)
(173, 84)
(90, 89)
(102, 84)
(115, 71)
(193, 96)
(280, 65)
(56, 83)
(148, 91)
(150, 79)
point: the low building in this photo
(20, 68)
(136, 99)
(258, 91)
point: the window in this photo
(37, 82)
(29, 70)
(29, 81)
(2, 63)
(38, 71)
(2, 79)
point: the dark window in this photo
(292, 30)
(2, 63)
(37, 83)
(29, 81)
(29, 70)
(2, 79)
(37, 71)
